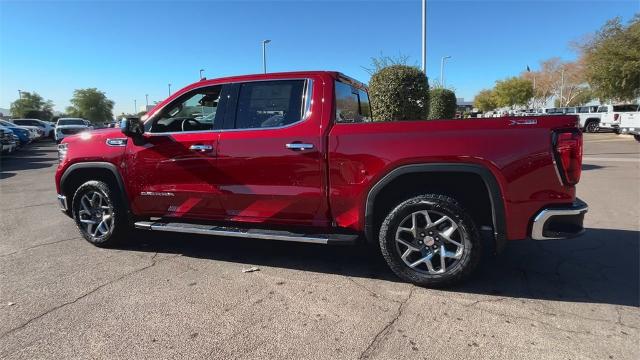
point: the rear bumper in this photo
(559, 223)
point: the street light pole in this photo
(146, 98)
(135, 106)
(424, 36)
(169, 89)
(264, 55)
(201, 71)
(19, 94)
(561, 86)
(442, 69)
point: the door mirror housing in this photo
(132, 127)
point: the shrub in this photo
(442, 104)
(399, 92)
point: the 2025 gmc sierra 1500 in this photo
(297, 157)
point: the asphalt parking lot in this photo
(179, 296)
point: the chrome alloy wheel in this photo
(96, 214)
(429, 242)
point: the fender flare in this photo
(98, 165)
(495, 194)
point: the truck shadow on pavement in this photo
(602, 266)
(34, 156)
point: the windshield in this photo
(71, 122)
(7, 124)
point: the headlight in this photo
(62, 151)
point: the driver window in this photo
(194, 111)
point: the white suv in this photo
(46, 127)
(589, 118)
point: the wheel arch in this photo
(488, 179)
(79, 173)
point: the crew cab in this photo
(613, 115)
(298, 157)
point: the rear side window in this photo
(268, 104)
(625, 108)
(352, 105)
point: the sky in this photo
(128, 49)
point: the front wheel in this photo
(431, 241)
(100, 218)
(637, 137)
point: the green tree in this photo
(513, 91)
(91, 104)
(485, 100)
(380, 62)
(399, 92)
(442, 104)
(612, 60)
(32, 105)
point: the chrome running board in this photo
(247, 233)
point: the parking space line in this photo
(610, 159)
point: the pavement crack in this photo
(86, 294)
(29, 206)
(39, 245)
(382, 334)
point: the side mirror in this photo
(131, 127)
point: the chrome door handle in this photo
(299, 146)
(201, 148)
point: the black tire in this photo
(110, 197)
(592, 126)
(637, 137)
(468, 235)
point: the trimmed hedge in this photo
(399, 92)
(442, 104)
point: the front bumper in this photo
(559, 223)
(62, 202)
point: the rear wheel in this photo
(592, 127)
(637, 137)
(430, 240)
(98, 214)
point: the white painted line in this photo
(611, 159)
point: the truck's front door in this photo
(172, 170)
(270, 154)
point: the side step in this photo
(247, 233)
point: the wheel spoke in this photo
(408, 245)
(87, 221)
(422, 260)
(443, 253)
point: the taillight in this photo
(568, 155)
(616, 117)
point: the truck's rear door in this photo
(270, 154)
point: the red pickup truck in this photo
(297, 157)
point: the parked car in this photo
(26, 134)
(47, 128)
(8, 142)
(614, 114)
(589, 118)
(70, 126)
(297, 157)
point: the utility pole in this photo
(146, 98)
(169, 89)
(264, 55)
(442, 69)
(19, 94)
(201, 71)
(135, 106)
(424, 36)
